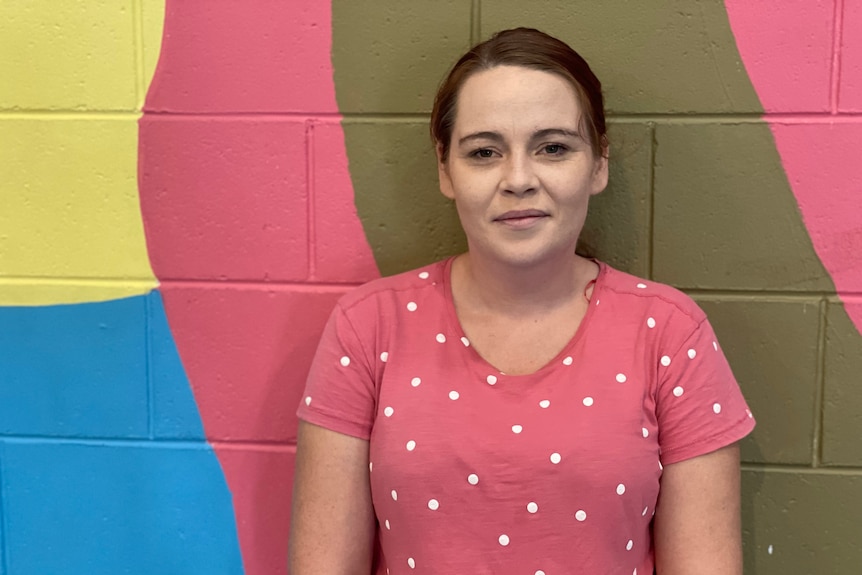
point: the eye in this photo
(554, 149)
(483, 153)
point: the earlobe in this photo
(600, 176)
(446, 187)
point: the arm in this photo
(332, 520)
(697, 524)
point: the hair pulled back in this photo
(528, 48)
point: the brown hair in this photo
(528, 48)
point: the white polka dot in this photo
(621, 488)
(645, 431)
(503, 539)
(517, 428)
(660, 466)
(678, 391)
(491, 379)
(598, 302)
(540, 572)
(411, 445)
(411, 562)
(544, 404)
(465, 341)
(345, 361)
(748, 411)
(588, 401)
(394, 495)
(472, 479)
(692, 354)
(556, 458)
(307, 400)
(715, 345)
(370, 466)
(641, 286)
(415, 382)
(581, 515)
(635, 572)
(568, 360)
(384, 357)
(645, 510)
(441, 338)
(411, 306)
(453, 395)
(386, 523)
(665, 360)
(424, 275)
(629, 545)
(650, 322)
(388, 411)
(716, 407)
(621, 377)
(532, 507)
(433, 504)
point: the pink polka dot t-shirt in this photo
(476, 471)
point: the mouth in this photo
(521, 218)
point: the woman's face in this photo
(518, 169)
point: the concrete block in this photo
(67, 55)
(662, 56)
(618, 225)
(261, 483)
(771, 345)
(225, 198)
(246, 351)
(842, 394)
(850, 90)
(341, 250)
(725, 215)
(239, 57)
(152, 28)
(74, 370)
(407, 221)
(107, 508)
(70, 199)
(390, 56)
(801, 522)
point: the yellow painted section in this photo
(70, 220)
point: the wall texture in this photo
(187, 188)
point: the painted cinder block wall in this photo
(173, 236)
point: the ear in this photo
(600, 173)
(446, 187)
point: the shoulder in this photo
(379, 294)
(634, 296)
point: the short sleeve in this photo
(340, 393)
(699, 406)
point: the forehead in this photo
(509, 98)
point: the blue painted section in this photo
(175, 413)
(74, 370)
(109, 508)
(2, 519)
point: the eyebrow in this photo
(537, 135)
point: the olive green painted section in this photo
(725, 216)
(390, 55)
(842, 393)
(771, 345)
(658, 56)
(407, 221)
(618, 223)
(811, 520)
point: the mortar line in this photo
(138, 19)
(475, 22)
(310, 187)
(835, 70)
(148, 349)
(801, 469)
(819, 386)
(651, 204)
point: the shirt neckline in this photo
(475, 361)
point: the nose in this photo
(519, 176)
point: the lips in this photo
(520, 215)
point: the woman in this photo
(519, 408)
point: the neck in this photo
(521, 290)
